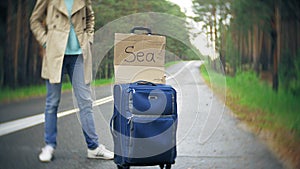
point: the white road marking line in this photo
(179, 71)
(20, 124)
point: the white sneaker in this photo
(46, 154)
(100, 152)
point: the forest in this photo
(260, 35)
(21, 55)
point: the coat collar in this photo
(61, 6)
(78, 4)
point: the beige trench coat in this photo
(54, 34)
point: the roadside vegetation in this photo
(273, 116)
(10, 94)
(256, 44)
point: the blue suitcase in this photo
(144, 125)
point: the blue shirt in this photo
(73, 46)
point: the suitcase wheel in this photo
(123, 167)
(162, 166)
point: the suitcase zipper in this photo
(129, 119)
(150, 116)
(173, 104)
(146, 115)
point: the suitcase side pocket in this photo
(153, 138)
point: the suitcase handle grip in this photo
(112, 125)
(140, 28)
(142, 82)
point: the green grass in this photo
(8, 94)
(246, 89)
(280, 107)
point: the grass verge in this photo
(8, 94)
(273, 116)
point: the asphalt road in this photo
(208, 135)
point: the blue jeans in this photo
(73, 66)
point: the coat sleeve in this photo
(37, 21)
(90, 20)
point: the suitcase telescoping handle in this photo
(140, 28)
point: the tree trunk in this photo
(276, 45)
(17, 42)
(25, 39)
(264, 54)
(250, 44)
(255, 49)
(8, 52)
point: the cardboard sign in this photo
(141, 50)
(139, 57)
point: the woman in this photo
(65, 28)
